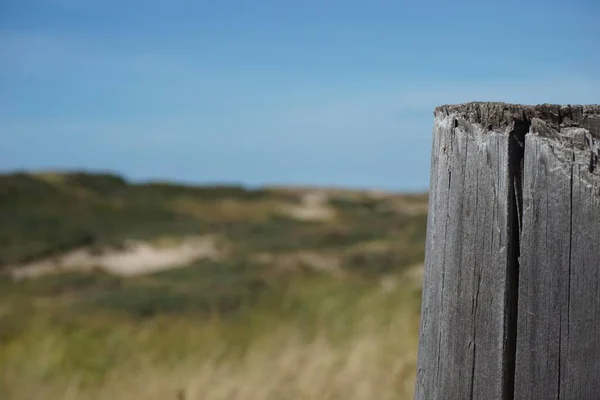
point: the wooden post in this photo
(511, 298)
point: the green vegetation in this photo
(48, 214)
(294, 308)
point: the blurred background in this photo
(228, 200)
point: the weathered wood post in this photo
(511, 293)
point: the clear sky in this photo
(324, 92)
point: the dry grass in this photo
(373, 365)
(373, 358)
(367, 368)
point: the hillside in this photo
(44, 215)
(319, 267)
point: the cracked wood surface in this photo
(511, 307)
(462, 337)
(558, 345)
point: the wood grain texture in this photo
(462, 338)
(511, 300)
(558, 339)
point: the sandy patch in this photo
(137, 258)
(313, 207)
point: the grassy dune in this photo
(294, 308)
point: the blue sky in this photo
(273, 92)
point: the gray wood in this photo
(558, 345)
(511, 300)
(462, 337)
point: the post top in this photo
(499, 116)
